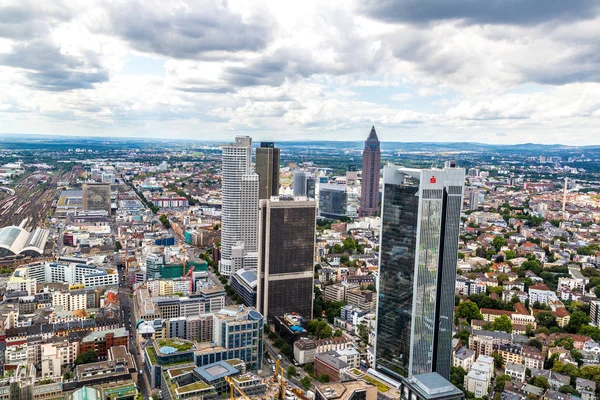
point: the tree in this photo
(291, 371)
(118, 246)
(349, 244)
(306, 383)
(338, 333)
(501, 381)
(468, 310)
(566, 369)
(540, 381)
(509, 254)
(546, 318)
(498, 361)
(502, 278)
(578, 318)
(457, 376)
(502, 323)
(498, 242)
(87, 357)
(323, 378)
(165, 221)
(567, 389)
(463, 335)
(309, 368)
(565, 342)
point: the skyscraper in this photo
(286, 257)
(96, 196)
(304, 184)
(369, 196)
(417, 270)
(239, 213)
(267, 168)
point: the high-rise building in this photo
(239, 213)
(267, 168)
(286, 257)
(96, 196)
(417, 271)
(304, 184)
(333, 201)
(369, 196)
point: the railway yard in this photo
(31, 199)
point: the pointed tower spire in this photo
(373, 134)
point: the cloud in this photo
(185, 31)
(509, 12)
(48, 68)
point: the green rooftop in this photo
(193, 387)
(180, 345)
(181, 370)
(380, 386)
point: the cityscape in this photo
(274, 200)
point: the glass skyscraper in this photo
(418, 257)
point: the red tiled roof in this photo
(539, 286)
(496, 312)
(520, 308)
(561, 312)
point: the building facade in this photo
(239, 212)
(267, 168)
(418, 259)
(369, 198)
(96, 196)
(286, 257)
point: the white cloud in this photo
(307, 69)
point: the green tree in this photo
(567, 389)
(578, 318)
(349, 244)
(501, 381)
(502, 323)
(498, 242)
(509, 255)
(305, 383)
(323, 378)
(457, 376)
(309, 368)
(546, 318)
(565, 342)
(540, 381)
(87, 357)
(338, 333)
(463, 335)
(468, 310)
(291, 371)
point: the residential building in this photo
(330, 364)
(418, 261)
(285, 276)
(102, 341)
(586, 388)
(363, 299)
(239, 212)
(304, 351)
(510, 352)
(479, 378)
(515, 371)
(334, 293)
(371, 167)
(267, 168)
(541, 293)
(464, 358)
(532, 357)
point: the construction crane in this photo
(279, 377)
(233, 387)
(189, 274)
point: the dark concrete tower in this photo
(369, 198)
(267, 168)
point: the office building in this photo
(239, 212)
(304, 184)
(419, 241)
(244, 284)
(369, 197)
(333, 201)
(267, 168)
(286, 257)
(595, 312)
(96, 196)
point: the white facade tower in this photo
(239, 217)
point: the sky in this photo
(510, 71)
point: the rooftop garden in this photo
(380, 386)
(151, 354)
(193, 387)
(180, 345)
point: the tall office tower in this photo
(267, 168)
(417, 271)
(96, 196)
(333, 201)
(474, 199)
(239, 212)
(286, 257)
(369, 196)
(304, 184)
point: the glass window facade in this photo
(394, 313)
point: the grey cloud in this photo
(185, 32)
(30, 19)
(48, 69)
(511, 12)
